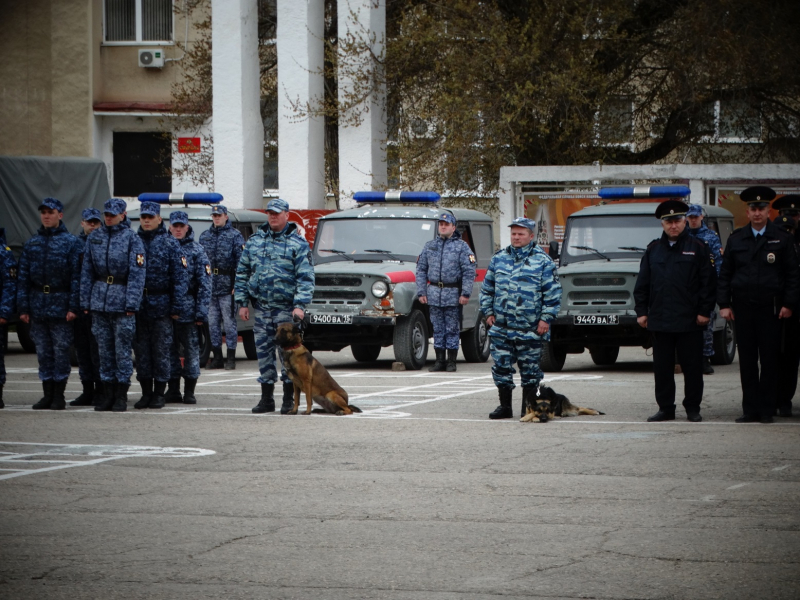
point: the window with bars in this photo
(138, 21)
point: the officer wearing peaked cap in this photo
(445, 275)
(759, 286)
(789, 206)
(674, 293)
(8, 302)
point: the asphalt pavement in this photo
(419, 497)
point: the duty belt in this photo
(111, 280)
(222, 271)
(51, 289)
(445, 285)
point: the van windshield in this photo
(371, 239)
(617, 237)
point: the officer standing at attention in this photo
(165, 287)
(85, 344)
(194, 312)
(789, 206)
(674, 293)
(698, 228)
(8, 302)
(48, 297)
(520, 296)
(223, 245)
(758, 289)
(445, 275)
(276, 275)
(112, 284)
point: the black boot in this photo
(663, 414)
(2, 404)
(707, 368)
(528, 399)
(188, 391)
(216, 362)
(158, 394)
(288, 397)
(439, 365)
(59, 402)
(147, 394)
(121, 397)
(109, 390)
(98, 393)
(230, 364)
(173, 395)
(47, 400)
(267, 402)
(87, 397)
(504, 410)
(452, 355)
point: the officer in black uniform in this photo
(675, 293)
(789, 206)
(758, 289)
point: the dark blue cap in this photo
(90, 214)
(695, 210)
(150, 208)
(276, 205)
(115, 206)
(53, 203)
(218, 209)
(178, 216)
(447, 217)
(523, 222)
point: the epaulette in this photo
(655, 241)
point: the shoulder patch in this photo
(472, 258)
(184, 263)
(140, 260)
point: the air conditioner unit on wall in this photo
(152, 58)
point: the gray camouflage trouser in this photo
(114, 333)
(446, 321)
(527, 354)
(53, 339)
(185, 335)
(264, 330)
(220, 313)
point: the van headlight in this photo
(380, 289)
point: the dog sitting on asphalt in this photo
(308, 374)
(549, 404)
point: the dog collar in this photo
(295, 347)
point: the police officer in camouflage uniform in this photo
(165, 287)
(85, 344)
(698, 229)
(48, 297)
(445, 275)
(275, 274)
(112, 284)
(193, 313)
(8, 302)
(520, 296)
(223, 245)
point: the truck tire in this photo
(475, 342)
(249, 343)
(24, 336)
(365, 352)
(411, 340)
(604, 355)
(553, 358)
(724, 345)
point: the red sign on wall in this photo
(188, 145)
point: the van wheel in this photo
(553, 358)
(411, 340)
(724, 345)
(24, 336)
(249, 343)
(365, 352)
(204, 342)
(475, 342)
(604, 355)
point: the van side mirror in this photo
(553, 250)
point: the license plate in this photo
(596, 320)
(332, 319)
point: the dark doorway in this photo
(142, 162)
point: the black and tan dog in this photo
(308, 374)
(549, 404)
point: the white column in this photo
(236, 125)
(697, 191)
(301, 141)
(362, 128)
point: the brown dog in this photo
(548, 404)
(308, 374)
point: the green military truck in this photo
(598, 264)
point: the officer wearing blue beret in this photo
(193, 313)
(445, 275)
(759, 287)
(48, 297)
(223, 245)
(520, 296)
(112, 285)
(8, 302)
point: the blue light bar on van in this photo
(396, 197)
(644, 191)
(188, 198)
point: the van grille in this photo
(337, 280)
(599, 298)
(597, 281)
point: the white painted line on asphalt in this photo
(783, 468)
(737, 486)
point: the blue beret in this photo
(178, 216)
(91, 213)
(115, 206)
(695, 210)
(53, 203)
(447, 217)
(150, 208)
(277, 205)
(523, 222)
(219, 209)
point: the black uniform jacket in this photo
(760, 271)
(675, 284)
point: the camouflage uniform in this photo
(8, 301)
(85, 343)
(276, 275)
(223, 245)
(712, 239)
